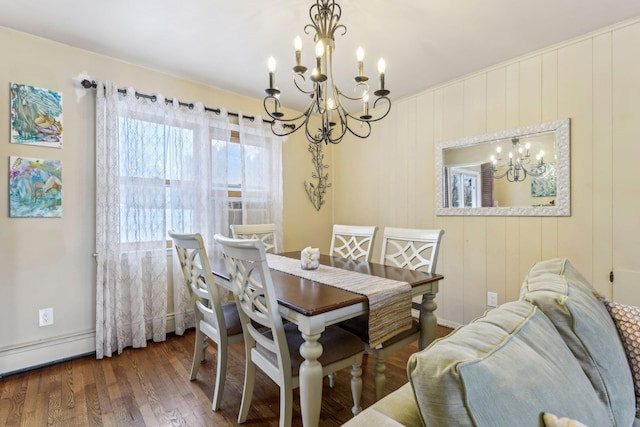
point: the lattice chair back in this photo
(353, 241)
(220, 323)
(269, 343)
(414, 249)
(251, 283)
(264, 232)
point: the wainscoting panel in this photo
(595, 81)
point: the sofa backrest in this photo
(558, 289)
(503, 369)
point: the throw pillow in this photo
(627, 320)
(567, 299)
(551, 420)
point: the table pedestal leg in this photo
(428, 321)
(310, 380)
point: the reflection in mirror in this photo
(517, 172)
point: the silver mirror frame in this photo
(563, 199)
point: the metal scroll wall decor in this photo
(316, 192)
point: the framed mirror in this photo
(516, 172)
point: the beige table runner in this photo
(389, 300)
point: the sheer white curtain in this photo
(157, 167)
(261, 153)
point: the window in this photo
(155, 159)
(464, 188)
(151, 156)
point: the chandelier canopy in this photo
(327, 99)
(515, 169)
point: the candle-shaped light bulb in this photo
(499, 150)
(381, 69)
(271, 64)
(360, 57)
(365, 101)
(319, 54)
(527, 146)
(298, 45)
(330, 107)
(493, 159)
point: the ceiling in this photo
(226, 44)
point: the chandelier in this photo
(327, 100)
(515, 169)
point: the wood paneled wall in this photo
(389, 178)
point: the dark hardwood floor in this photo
(151, 387)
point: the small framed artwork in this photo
(36, 116)
(546, 184)
(35, 188)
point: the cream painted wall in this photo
(389, 179)
(385, 180)
(49, 262)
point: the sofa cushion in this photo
(503, 369)
(570, 302)
(395, 409)
(627, 321)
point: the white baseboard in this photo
(52, 350)
(34, 354)
(448, 323)
(43, 352)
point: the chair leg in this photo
(221, 374)
(380, 378)
(356, 386)
(286, 406)
(247, 391)
(332, 379)
(198, 353)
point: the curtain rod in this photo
(92, 84)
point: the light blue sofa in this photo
(555, 350)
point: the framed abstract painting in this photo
(36, 116)
(35, 188)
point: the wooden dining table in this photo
(312, 306)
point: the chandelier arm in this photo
(499, 176)
(375, 103)
(535, 173)
(343, 127)
(276, 117)
(300, 88)
(362, 123)
(343, 95)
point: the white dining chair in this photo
(221, 323)
(275, 350)
(353, 241)
(413, 249)
(264, 232)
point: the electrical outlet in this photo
(45, 316)
(492, 299)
